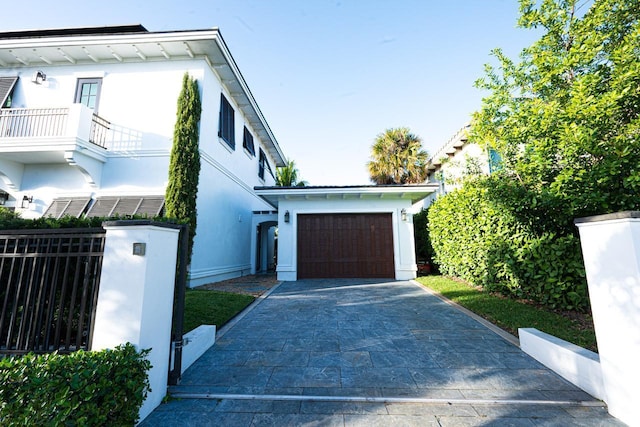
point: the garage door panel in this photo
(345, 245)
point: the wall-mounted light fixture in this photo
(403, 214)
(287, 216)
(26, 201)
(38, 77)
(4, 196)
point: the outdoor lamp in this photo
(38, 77)
(25, 201)
(403, 214)
(4, 196)
(287, 216)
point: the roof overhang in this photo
(413, 193)
(52, 49)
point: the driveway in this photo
(363, 352)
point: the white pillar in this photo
(611, 251)
(135, 301)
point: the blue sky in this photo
(330, 75)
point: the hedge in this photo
(10, 220)
(499, 235)
(77, 389)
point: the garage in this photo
(345, 245)
(346, 231)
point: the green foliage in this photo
(287, 176)
(565, 122)
(566, 117)
(184, 163)
(14, 222)
(397, 157)
(204, 307)
(424, 250)
(77, 389)
(497, 234)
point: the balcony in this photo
(71, 135)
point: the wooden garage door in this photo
(345, 245)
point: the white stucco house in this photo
(457, 158)
(86, 125)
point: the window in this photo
(74, 207)
(263, 165)
(226, 123)
(123, 206)
(7, 85)
(495, 161)
(88, 92)
(247, 142)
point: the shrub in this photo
(80, 388)
(12, 221)
(497, 234)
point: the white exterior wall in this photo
(140, 100)
(611, 251)
(136, 293)
(403, 238)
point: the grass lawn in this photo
(511, 314)
(203, 307)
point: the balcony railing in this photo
(48, 122)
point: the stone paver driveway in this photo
(361, 352)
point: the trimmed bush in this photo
(499, 235)
(81, 388)
(12, 221)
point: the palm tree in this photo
(397, 157)
(287, 176)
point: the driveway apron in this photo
(363, 352)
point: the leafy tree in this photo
(566, 117)
(397, 157)
(184, 164)
(287, 176)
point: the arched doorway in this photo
(263, 243)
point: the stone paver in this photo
(362, 352)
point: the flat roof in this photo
(413, 192)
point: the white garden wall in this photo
(135, 301)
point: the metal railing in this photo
(33, 122)
(47, 122)
(99, 130)
(49, 281)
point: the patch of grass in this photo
(203, 307)
(512, 314)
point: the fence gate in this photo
(49, 281)
(175, 355)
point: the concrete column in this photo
(611, 251)
(135, 301)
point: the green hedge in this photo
(499, 235)
(10, 220)
(77, 389)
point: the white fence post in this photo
(135, 301)
(611, 251)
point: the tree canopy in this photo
(287, 176)
(566, 116)
(397, 157)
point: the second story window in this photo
(88, 92)
(247, 142)
(226, 123)
(263, 165)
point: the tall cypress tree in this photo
(184, 164)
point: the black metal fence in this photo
(49, 281)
